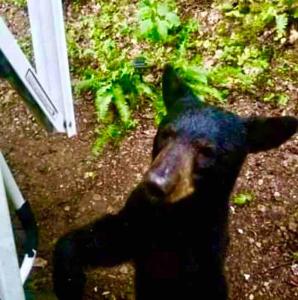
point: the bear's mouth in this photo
(183, 189)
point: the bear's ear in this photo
(173, 88)
(267, 133)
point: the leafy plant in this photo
(199, 79)
(280, 99)
(254, 16)
(157, 19)
(250, 36)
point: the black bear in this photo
(174, 224)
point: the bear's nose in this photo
(164, 172)
(170, 174)
(159, 184)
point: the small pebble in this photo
(246, 276)
(67, 208)
(258, 244)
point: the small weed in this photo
(26, 45)
(242, 199)
(280, 99)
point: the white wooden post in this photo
(50, 52)
(11, 287)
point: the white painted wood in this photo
(22, 69)
(50, 51)
(10, 280)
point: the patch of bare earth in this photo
(68, 187)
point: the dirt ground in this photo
(68, 187)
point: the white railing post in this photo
(11, 287)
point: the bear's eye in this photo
(205, 148)
(164, 137)
(167, 133)
(207, 151)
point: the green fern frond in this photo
(281, 25)
(85, 85)
(145, 90)
(102, 103)
(111, 132)
(121, 104)
(195, 74)
(207, 90)
(159, 108)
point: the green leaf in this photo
(146, 26)
(281, 25)
(144, 13)
(242, 199)
(268, 15)
(235, 13)
(196, 74)
(203, 90)
(162, 9)
(269, 97)
(103, 89)
(173, 19)
(145, 89)
(162, 29)
(282, 99)
(225, 7)
(85, 85)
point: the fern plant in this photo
(114, 98)
(200, 81)
(107, 71)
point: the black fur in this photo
(178, 248)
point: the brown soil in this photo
(68, 187)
